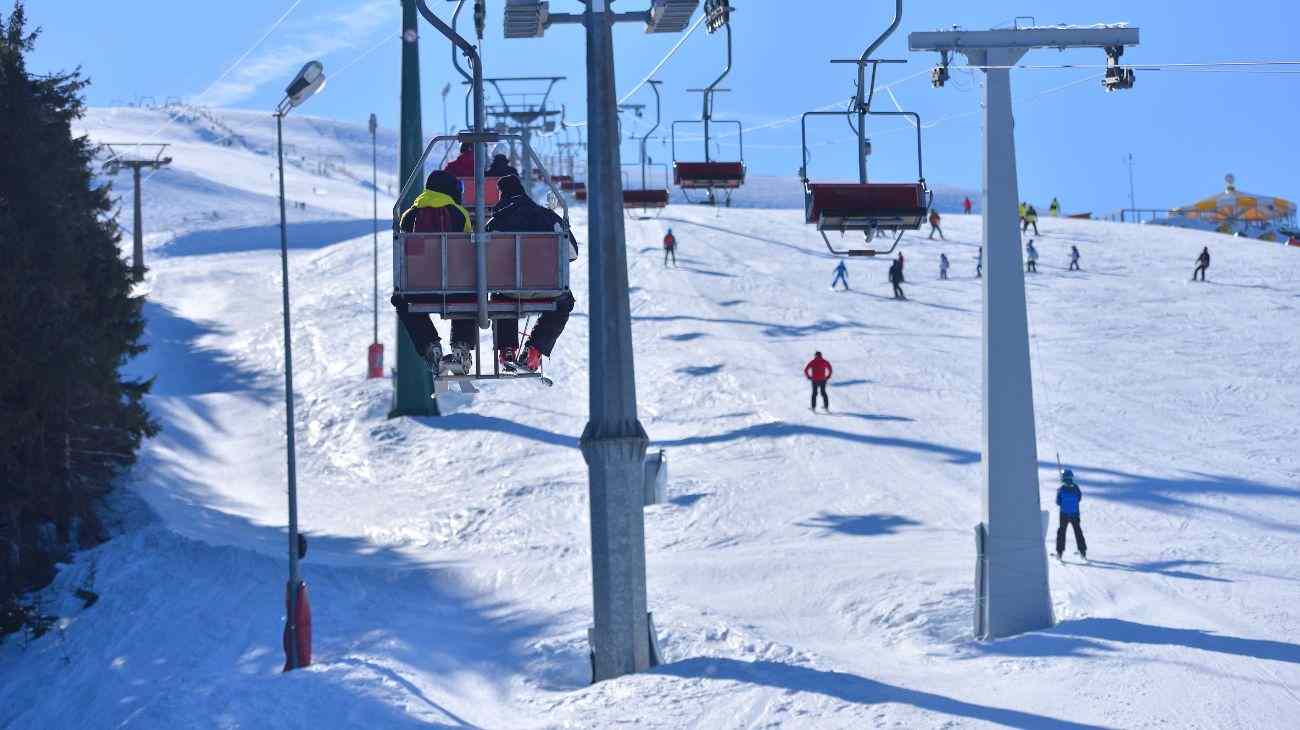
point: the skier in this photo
(1022, 213)
(841, 275)
(1068, 497)
(463, 165)
(1055, 208)
(670, 248)
(1031, 257)
(965, 205)
(438, 210)
(979, 264)
(943, 266)
(896, 277)
(1030, 219)
(500, 167)
(934, 225)
(1202, 263)
(518, 213)
(818, 370)
(1074, 258)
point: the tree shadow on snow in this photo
(697, 371)
(853, 689)
(860, 525)
(305, 235)
(769, 329)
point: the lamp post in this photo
(297, 627)
(375, 355)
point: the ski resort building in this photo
(1265, 217)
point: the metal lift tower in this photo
(1013, 595)
(522, 115)
(116, 162)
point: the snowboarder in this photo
(1054, 209)
(819, 371)
(518, 213)
(934, 225)
(1202, 263)
(896, 277)
(463, 165)
(1074, 258)
(1031, 257)
(841, 275)
(438, 210)
(1068, 497)
(943, 266)
(979, 263)
(670, 249)
(966, 205)
(1030, 219)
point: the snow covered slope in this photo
(808, 570)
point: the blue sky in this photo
(1185, 129)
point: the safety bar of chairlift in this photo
(861, 251)
(740, 136)
(803, 129)
(654, 86)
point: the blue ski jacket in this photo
(1068, 498)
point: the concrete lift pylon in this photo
(1012, 593)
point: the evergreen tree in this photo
(69, 421)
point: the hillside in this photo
(808, 570)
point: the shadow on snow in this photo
(304, 235)
(860, 525)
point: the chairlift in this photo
(888, 209)
(480, 276)
(711, 174)
(646, 197)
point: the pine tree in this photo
(69, 422)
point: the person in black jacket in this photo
(518, 213)
(896, 277)
(1202, 263)
(500, 167)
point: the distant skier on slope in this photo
(896, 277)
(1054, 209)
(463, 165)
(841, 275)
(943, 266)
(1074, 258)
(1031, 219)
(1068, 497)
(1202, 263)
(979, 264)
(934, 225)
(1031, 257)
(966, 205)
(670, 249)
(819, 371)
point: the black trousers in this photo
(819, 386)
(898, 291)
(1029, 223)
(670, 252)
(1031, 265)
(547, 330)
(1074, 265)
(420, 328)
(1199, 270)
(1079, 542)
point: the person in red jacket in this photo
(670, 247)
(818, 370)
(463, 166)
(965, 205)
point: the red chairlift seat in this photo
(654, 198)
(526, 273)
(866, 206)
(580, 191)
(699, 175)
(469, 196)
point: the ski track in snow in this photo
(808, 570)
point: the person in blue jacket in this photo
(841, 276)
(1068, 497)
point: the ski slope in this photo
(809, 570)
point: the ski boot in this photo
(530, 359)
(433, 356)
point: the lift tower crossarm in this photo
(1023, 40)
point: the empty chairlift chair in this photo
(710, 174)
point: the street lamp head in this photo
(310, 79)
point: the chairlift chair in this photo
(711, 174)
(646, 197)
(870, 207)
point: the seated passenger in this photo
(438, 210)
(500, 167)
(463, 166)
(517, 213)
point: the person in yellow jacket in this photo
(1022, 214)
(1055, 208)
(437, 209)
(1030, 218)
